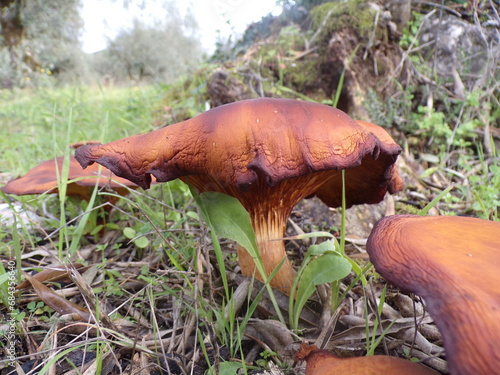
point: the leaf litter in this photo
(166, 324)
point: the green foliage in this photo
(150, 54)
(486, 201)
(450, 134)
(290, 39)
(36, 308)
(372, 341)
(228, 219)
(484, 196)
(396, 110)
(187, 97)
(410, 34)
(433, 124)
(352, 13)
(35, 55)
(323, 263)
(228, 368)
(112, 285)
(140, 241)
(31, 118)
(31, 53)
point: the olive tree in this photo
(151, 52)
(38, 39)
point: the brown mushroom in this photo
(269, 154)
(44, 178)
(322, 362)
(453, 263)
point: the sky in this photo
(105, 18)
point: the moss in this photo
(301, 75)
(290, 39)
(405, 208)
(354, 13)
(187, 96)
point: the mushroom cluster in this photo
(453, 263)
(269, 154)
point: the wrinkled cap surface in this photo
(44, 178)
(454, 264)
(241, 143)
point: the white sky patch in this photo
(105, 18)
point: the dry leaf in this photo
(52, 273)
(59, 304)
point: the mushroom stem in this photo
(269, 226)
(269, 208)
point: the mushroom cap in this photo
(361, 183)
(76, 145)
(44, 178)
(322, 362)
(454, 264)
(242, 143)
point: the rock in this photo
(224, 88)
(22, 217)
(459, 47)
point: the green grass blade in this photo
(432, 203)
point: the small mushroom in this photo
(453, 263)
(322, 362)
(44, 179)
(269, 154)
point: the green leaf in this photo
(229, 368)
(229, 219)
(326, 269)
(192, 215)
(20, 316)
(428, 172)
(129, 233)
(96, 230)
(321, 248)
(4, 277)
(141, 242)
